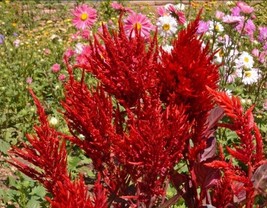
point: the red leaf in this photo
(259, 178)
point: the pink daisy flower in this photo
(139, 22)
(246, 9)
(29, 80)
(179, 15)
(82, 58)
(61, 77)
(162, 11)
(119, 7)
(265, 105)
(84, 16)
(55, 68)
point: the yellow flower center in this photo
(217, 28)
(248, 73)
(221, 54)
(138, 26)
(84, 16)
(166, 27)
(246, 59)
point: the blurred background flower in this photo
(84, 16)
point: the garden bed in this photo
(105, 109)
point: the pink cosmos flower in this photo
(179, 15)
(69, 53)
(244, 8)
(203, 27)
(255, 52)
(230, 19)
(259, 55)
(82, 58)
(115, 5)
(265, 105)
(138, 22)
(119, 7)
(55, 68)
(61, 77)
(248, 29)
(262, 34)
(29, 80)
(231, 78)
(47, 51)
(84, 16)
(235, 11)
(162, 11)
(16, 43)
(219, 15)
(263, 56)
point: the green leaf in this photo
(4, 195)
(39, 191)
(33, 203)
(12, 181)
(73, 162)
(4, 146)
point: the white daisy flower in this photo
(230, 3)
(79, 48)
(226, 54)
(246, 101)
(53, 121)
(167, 48)
(250, 76)
(167, 26)
(180, 6)
(229, 55)
(244, 61)
(216, 27)
(218, 57)
(231, 78)
(228, 92)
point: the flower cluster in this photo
(239, 19)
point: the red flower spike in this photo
(154, 145)
(243, 124)
(45, 151)
(75, 194)
(125, 67)
(95, 125)
(183, 79)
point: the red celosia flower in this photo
(184, 77)
(126, 67)
(75, 194)
(249, 151)
(46, 151)
(48, 145)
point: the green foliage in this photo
(24, 192)
(34, 41)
